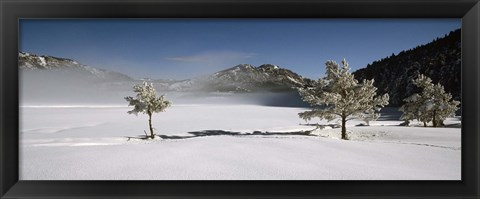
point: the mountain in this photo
(243, 78)
(31, 62)
(440, 60)
(248, 78)
(53, 80)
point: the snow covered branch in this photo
(339, 94)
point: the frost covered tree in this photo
(147, 102)
(433, 104)
(340, 95)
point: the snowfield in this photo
(228, 142)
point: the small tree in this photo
(340, 95)
(433, 104)
(147, 102)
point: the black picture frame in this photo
(12, 10)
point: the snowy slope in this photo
(227, 142)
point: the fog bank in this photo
(73, 88)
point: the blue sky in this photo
(185, 48)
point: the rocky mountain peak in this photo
(268, 67)
(248, 78)
(38, 62)
(33, 62)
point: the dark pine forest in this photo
(440, 60)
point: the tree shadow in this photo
(387, 117)
(140, 137)
(390, 114)
(459, 125)
(205, 133)
(322, 126)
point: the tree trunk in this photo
(424, 124)
(434, 121)
(150, 124)
(344, 128)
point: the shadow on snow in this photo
(204, 133)
(231, 133)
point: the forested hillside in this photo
(440, 60)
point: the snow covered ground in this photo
(228, 142)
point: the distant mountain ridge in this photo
(440, 60)
(242, 78)
(248, 78)
(32, 62)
